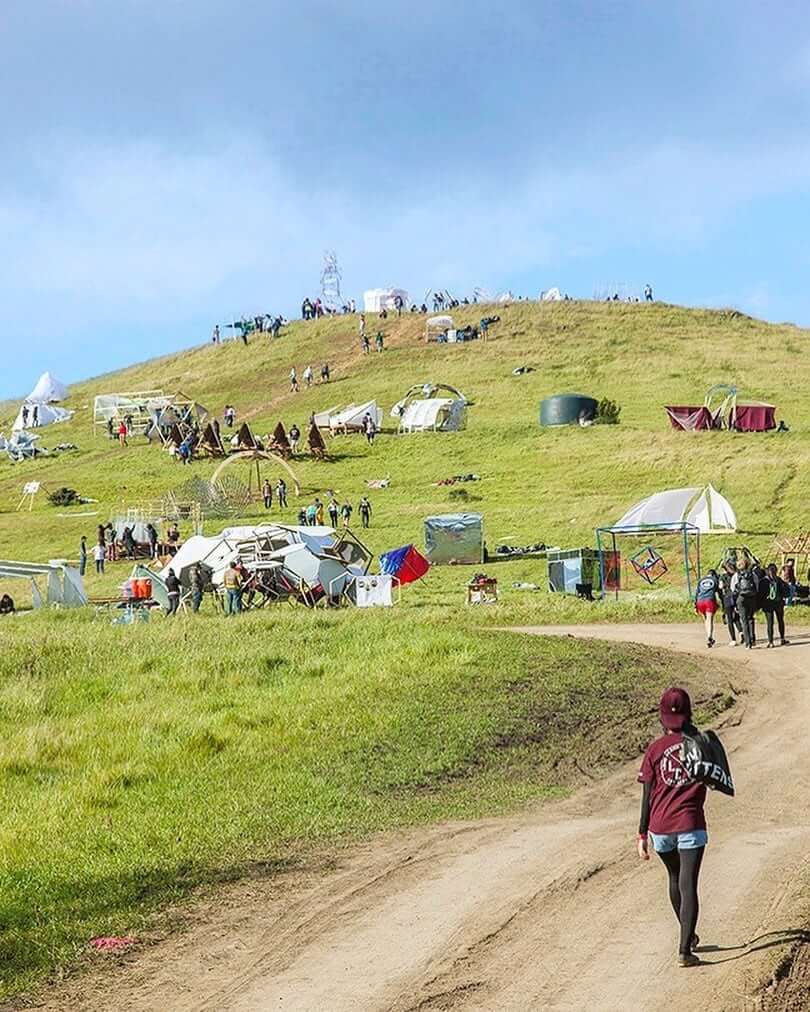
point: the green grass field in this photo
(136, 763)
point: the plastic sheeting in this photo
(48, 390)
(352, 416)
(454, 538)
(374, 591)
(376, 299)
(704, 507)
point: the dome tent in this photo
(704, 508)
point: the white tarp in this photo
(374, 591)
(444, 414)
(48, 390)
(321, 418)
(352, 416)
(703, 507)
(64, 586)
(47, 414)
(552, 295)
(376, 299)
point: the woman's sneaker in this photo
(687, 959)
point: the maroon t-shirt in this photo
(676, 803)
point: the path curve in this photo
(549, 909)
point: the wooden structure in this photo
(793, 546)
(254, 459)
(317, 445)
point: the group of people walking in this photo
(313, 515)
(740, 590)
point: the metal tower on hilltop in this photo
(330, 282)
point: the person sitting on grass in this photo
(7, 605)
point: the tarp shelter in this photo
(552, 295)
(52, 583)
(438, 325)
(47, 414)
(152, 412)
(422, 409)
(703, 508)
(350, 419)
(454, 538)
(691, 419)
(376, 299)
(48, 390)
(721, 409)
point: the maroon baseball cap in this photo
(675, 709)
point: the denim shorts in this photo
(662, 843)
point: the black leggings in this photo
(776, 611)
(683, 869)
(746, 609)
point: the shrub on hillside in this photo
(607, 412)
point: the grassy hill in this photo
(137, 763)
(538, 484)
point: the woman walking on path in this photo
(707, 595)
(672, 817)
(776, 595)
(745, 587)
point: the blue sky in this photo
(168, 164)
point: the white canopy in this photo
(552, 295)
(437, 413)
(48, 390)
(352, 416)
(376, 299)
(440, 322)
(703, 507)
(46, 414)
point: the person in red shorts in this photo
(707, 601)
(672, 817)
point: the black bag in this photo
(705, 760)
(746, 583)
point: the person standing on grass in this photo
(310, 514)
(293, 381)
(152, 534)
(82, 555)
(267, 494)
(318, 513)
(122, 434)
(325, 373)
(215, 335)
(379, 341)
(365, 512)
(232, 582)
(333, 509)
(173, 591)
(307, 376)
(672, 817)
(789, 577)
(707, 595)
(197, 580)
(775, 596)
(281, 493)
(294, 436)
(745, 587)
(99, 555)
(346, 511)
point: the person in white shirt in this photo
(99, 555)
(308, 375)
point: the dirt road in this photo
(547, 910)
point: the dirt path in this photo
(546, 910)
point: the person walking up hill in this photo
(706, 598)
(745, 587)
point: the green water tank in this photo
(567, 409)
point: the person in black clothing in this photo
(365, 511)
(745, 587)
(152, 534)
(173, 590)
(7, 605)
(775, 593)
(128, 542)
(729, 603)
(281, 492)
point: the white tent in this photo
(350, 419)
(703, 507)
(64, 586)
(439, 414)
(552, 295)
(48, 390)
(47, 414)
(376, 299)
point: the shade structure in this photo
(691, 419)
(437, 414)
(704, 508)
(375, 299)
(351, 418)
(753, 418)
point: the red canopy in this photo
(754, 418)
(690, 419)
